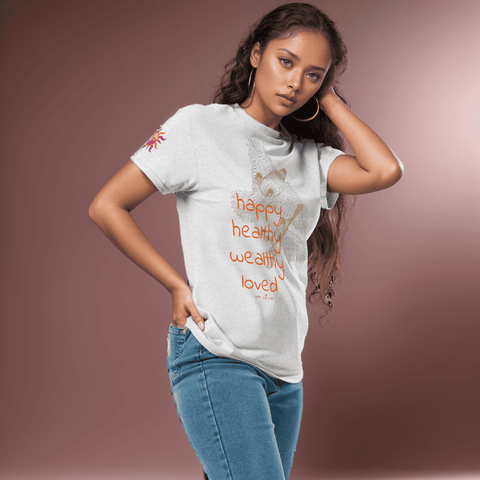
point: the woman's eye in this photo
(287, 63)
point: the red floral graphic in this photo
(156, 139)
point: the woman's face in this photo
(294, 67)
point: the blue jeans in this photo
(242, 423)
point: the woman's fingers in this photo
(183, 306)
(197, 318)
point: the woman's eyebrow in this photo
(296, 58)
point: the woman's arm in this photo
(110, 211)
(374, 166)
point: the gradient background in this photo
(391, 386)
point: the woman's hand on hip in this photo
(184, 307)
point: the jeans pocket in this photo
(175, 342)
(177, 330)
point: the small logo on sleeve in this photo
(156, 139)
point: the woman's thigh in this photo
(241, 423)
(286, 405)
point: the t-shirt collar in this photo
(250, 121)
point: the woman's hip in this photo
(241, 422)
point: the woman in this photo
(260, 178)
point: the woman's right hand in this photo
(184, 307)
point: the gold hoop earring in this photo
(250, 78)
(311, 118)
(249, 81)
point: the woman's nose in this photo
(295, 81)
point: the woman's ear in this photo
(255, 55)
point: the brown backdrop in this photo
(392, 385)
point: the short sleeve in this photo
(326, 156)
(168, 157)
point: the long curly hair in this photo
(325, 242)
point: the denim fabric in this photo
(243, 424)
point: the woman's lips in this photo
(288, 100)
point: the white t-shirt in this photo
(248, 198)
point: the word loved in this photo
(250, 284)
